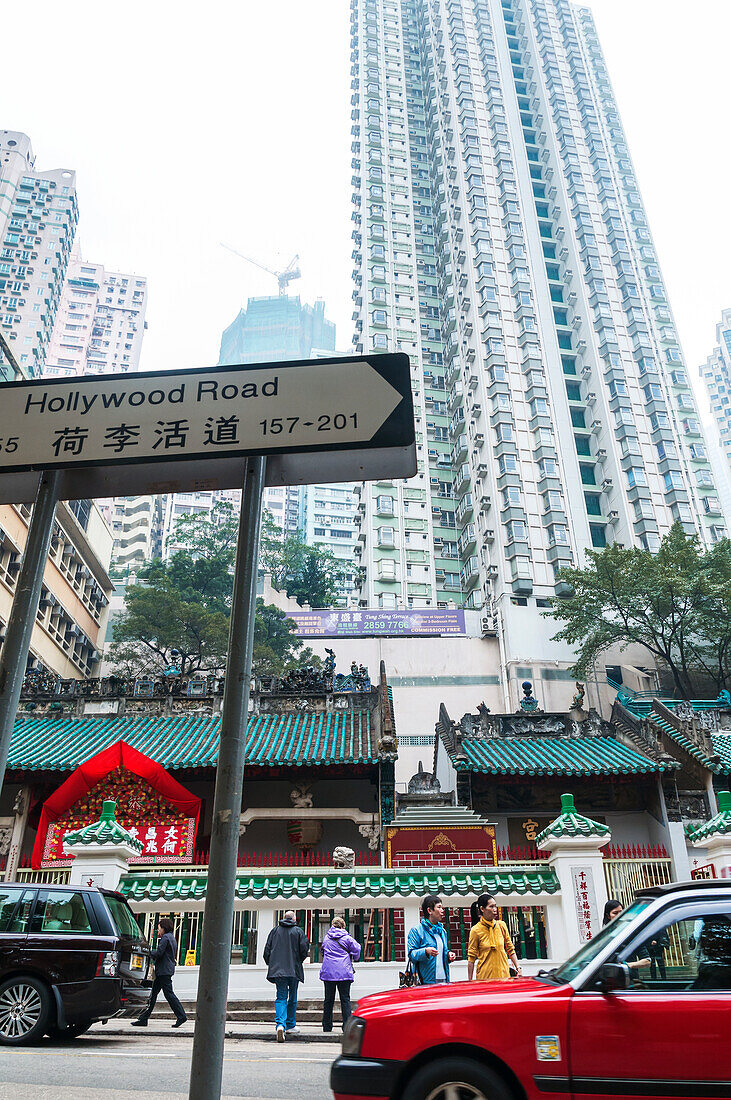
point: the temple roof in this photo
(720, 825)
(552, 756)
(47, 743)
(693, 725)
(375, 882)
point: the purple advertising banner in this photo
(354, 624)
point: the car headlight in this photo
(353, 1035)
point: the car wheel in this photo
(456, 1079)
(25, 1005)
(70, 1031)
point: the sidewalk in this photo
(162, 1028)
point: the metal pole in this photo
(25, 605)
(210, 1019)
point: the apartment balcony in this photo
(470, 573)
(467, 540)
(465, 508)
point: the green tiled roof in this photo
(569, 823)
(188, 741)
(554, 756)
(106, 830)
(720, 825)
(722, 745)
(643, 708)
(336, 884)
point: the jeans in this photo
(343, 989)
(285, 1005)
(164, 982)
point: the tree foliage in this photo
(179, 614)
(676, 603)
(309, 574)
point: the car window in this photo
(123, 917)
(15, 907)
(612, 931)
(64, 913)
(684, 956)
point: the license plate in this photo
(138, 962)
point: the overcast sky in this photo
(191, 124)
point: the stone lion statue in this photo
(343, 857)
(300, 796)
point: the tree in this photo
(179, 615)
(309, 574)
(676, 603)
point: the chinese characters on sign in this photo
(344, 624)
(585, 902)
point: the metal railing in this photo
(51, 875)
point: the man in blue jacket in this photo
(428, 943)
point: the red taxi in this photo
(643, 1009)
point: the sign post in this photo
(210, 1016)
(315, 420)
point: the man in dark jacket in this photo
(286, 949)
(164, 958)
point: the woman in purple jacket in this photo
(339, 952)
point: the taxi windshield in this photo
(613, 931)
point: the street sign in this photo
(340, 419)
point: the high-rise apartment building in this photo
(500, 239)
(99, 324)
(716, 373)
(38, 216)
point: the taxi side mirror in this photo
(614, 977)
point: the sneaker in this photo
(280, 1033)
(181, 1021)
(139, 1023)
(293, 1030)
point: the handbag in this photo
(409, 977)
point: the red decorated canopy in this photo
(92, 771)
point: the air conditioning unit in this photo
(487, 627)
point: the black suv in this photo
(68, 956)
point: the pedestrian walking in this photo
(164, 958)
(286, 949)
(339, 952)
(490, 945)
(428, 943)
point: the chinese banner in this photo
(585, 902)
(167, 836)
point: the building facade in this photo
(99, 324)
(38, 217)
(70, 625)
(501, 241)
(716, 373)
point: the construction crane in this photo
(290, 272)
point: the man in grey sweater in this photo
(286, 949)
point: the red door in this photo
(669, 1035)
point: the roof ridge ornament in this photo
(106, 830)
(570, 824)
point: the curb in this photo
(180, 1033)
